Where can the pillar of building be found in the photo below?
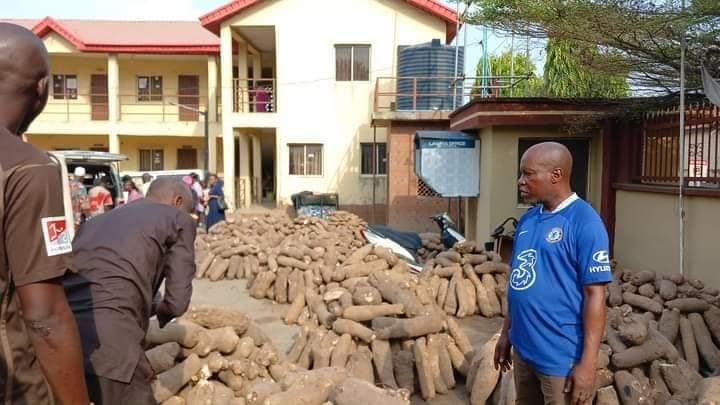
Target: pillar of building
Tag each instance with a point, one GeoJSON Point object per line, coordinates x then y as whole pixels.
{"type": "Point", "coordinates": [212, 110]}
{"type": "Point", "coordinates": [228, 135]}
{"type": "Point", "coordinates": [245, 163]}
{"type": "Point", "coordinates": [242, 59]}
{"type": "Point", "coordinates": [113, 79]}
{"type": "Point", "coordinates": [257, 165]}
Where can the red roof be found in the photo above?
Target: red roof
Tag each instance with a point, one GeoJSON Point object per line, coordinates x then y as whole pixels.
{"type": "Point", "coordinates": [215, 18]}
{"type": "Point", "coordinates": [168, 37]}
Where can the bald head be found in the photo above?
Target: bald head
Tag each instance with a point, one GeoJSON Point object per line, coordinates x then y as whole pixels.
{"type": "Point", "coordinates": [166, 190]}
{"type": "Point", "coordinates": [545, 170]}
{"type": "Point", "coordinates": [23, 77]}
{"type": "Point", "coordinates": [551, 155]}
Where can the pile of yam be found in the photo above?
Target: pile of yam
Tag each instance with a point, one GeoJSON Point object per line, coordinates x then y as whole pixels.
{"type": "Point", "coordinates": [431, 246]}
{"type": "Point", "coordinates": [215, 355]}
{"type": "Point", "coordinates": [661, 340]}
{"type": "Point", "coordinates": [466, 280]}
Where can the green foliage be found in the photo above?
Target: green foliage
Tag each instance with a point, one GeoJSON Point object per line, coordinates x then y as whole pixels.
{"type": "Point", "coordinates": [502, 66]}
{"type": "Point", "coordinates": [566, 76]}
{"type": "Point", "coordinates": [637, 38]}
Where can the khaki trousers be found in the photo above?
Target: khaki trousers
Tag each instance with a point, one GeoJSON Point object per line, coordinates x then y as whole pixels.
{"type": "Point", "coordinates": [534, 388]}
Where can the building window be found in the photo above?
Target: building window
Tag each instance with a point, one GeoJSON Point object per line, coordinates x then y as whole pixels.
{"type": "Point", "coordinates": [580, 151]}
{"type": "Point", "coordinates": [373, 163]}
{"type": "Point", "coordinates": [352, 63]}
{"type": "Point", "coordinates": [306, 159]}
{"type": "Point", "coordinates": [149, 88]}
{"type": "Point", "coordinates": [151, 160]}
{"type": "Point", "coordinates": [65, 87]}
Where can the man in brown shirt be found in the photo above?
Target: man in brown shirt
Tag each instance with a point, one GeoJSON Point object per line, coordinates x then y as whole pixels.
{"type": "Point", "coordinates": [122, 257]}
{"type": "Point", "coordinates": [38, 334]}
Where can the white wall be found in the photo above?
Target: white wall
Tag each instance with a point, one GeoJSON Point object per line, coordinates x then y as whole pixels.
{"type": "Point", "coordinates": [312, 106]}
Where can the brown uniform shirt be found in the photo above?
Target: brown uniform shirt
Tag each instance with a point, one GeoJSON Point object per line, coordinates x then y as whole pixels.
{"type": "Point", "coordinates": [122, 258]}
{"type": "Point", "coordinates": [34, 248]}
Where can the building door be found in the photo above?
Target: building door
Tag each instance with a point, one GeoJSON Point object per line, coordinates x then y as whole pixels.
{"type": "Point", "coordinates": [189, 96]}
{"type": "Point", "coordinates": [580, 150]}
{"type": "Point", "coordinates": [99, 97]}
{"type": "Point", "coordinates": [186, 159]}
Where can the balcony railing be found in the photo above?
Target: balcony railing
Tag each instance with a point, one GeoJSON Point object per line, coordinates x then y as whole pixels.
{"type": "Point", "coordinates": [438, 93]}
{"type": "Point", "coordinates": [76, 107]}
{"type": "Point", "coordinates": [254, 95]}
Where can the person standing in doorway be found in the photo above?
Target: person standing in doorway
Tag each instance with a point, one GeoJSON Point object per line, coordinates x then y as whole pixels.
{"type": "Point", "coordinates": [199, 192]}
{"type": "Point", "coordinates": [556, 292]}
{"type": "Point", "coordinates": [39, 343]}
{"type": "Point", "coordinates": [147, 179]}
{"type": "Point", "coordinates": [216, 201]}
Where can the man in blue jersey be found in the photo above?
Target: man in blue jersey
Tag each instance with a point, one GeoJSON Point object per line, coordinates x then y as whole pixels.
{"type": "Point", "coordinates": [556, 293]}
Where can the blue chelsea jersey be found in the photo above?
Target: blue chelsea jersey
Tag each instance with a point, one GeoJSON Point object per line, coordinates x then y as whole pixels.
{"type": "Point", "coordinates": [554, 256]}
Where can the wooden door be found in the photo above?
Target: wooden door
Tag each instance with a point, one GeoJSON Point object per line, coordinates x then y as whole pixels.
{"type": "Point", "coordinates": [188, 95]}
{"type": "Point", "coordinates": [99, 98]}
{"type": "Point", "coordinates": [186, 159]}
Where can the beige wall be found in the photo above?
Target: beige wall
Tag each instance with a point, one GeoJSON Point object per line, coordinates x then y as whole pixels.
{"type": "Point", "coordinates": [83, 66]}
{"type": "Point", "coordinates": [647, 234]}
{"type": "Point", "coordinates": [312, 106]}
{"type": "Point", "coordinates": [498, 175]}
{"type": "Point", "coordinates": [131, 145]}
{"type": "Point", "coordinates": [57, 142]}
{"type": "Point", "coordinates": [169, 68]}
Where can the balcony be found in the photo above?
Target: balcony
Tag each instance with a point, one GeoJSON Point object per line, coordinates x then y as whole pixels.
{"type": "Point", "coordinates": [254, 96]}
{"type": "Point", "coordinates": [85, 113]}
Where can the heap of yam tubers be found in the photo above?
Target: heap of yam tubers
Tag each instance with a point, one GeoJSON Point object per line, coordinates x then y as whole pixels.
{"type": "Point", "coordinates": [661, 338]}
{"type": "Point", "coordinates": [214, 355]}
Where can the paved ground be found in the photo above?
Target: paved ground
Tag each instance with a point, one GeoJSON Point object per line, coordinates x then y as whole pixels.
{"type": "Point", "coordinates": [268, 314]}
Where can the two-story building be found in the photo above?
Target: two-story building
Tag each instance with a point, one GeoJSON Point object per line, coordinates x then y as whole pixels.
{"type": "Point", "coordinates": [290, 87]}
{"type": "Point", "coordinates": [129, 87]}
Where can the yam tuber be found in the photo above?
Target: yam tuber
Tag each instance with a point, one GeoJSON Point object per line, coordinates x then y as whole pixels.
{"type": "Point", "coordinates": [382, 359]}
{"type": "Point", "coordinates": [712, 319]}
{"type": "Point", "coordinates": [707, 349]}
{"type": "Point", "coordinates": [366, 296]}
{"type": "Point", "coordinates": [669, 324]}
{"type": "Point", "coordinates": [295, 309]}
{"type": "Point", "coordinates": [341, 352]}
{"type": "Point", "coordinates": [184, 332]}
{"type": "Point", "coordinates": [655, 347]}
{"type": "Point", "coordinates": [162, 358]}
{"type": "Point", "coordinates": [360, 366]}
{"type": "Point", "coordinates": [486, 375]}
{"type": "Point", "coordinates": [424, 369]}
{"type": "Point", "coordinates": [171, 381]}
{"type": "Point", "coordinates": [404, 369]}
{"type": "Point", "coordinates": [688, 343]}
{"type": "Point", "coordinates": [643, 303]}
{"type": "Point", "coordinates": [354, 391]}
{"type": "Point", "coordinates": [394, 293]}
{"type": "Point", "coordinates": [361, 313]}
{"type": "Point", "coordinates": [353, 328]}
{"type": "Point", "coordinates": [214, 317]}
{"type": "Point", "coordinates": [686, 305]}
{"type": "Point", "coordinates": [394, 328]}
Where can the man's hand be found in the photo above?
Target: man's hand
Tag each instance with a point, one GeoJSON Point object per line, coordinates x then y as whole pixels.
{"type": "Point", "coordinates": [502, 358]}
{"type": "Point", "coordinates": [581, 383]}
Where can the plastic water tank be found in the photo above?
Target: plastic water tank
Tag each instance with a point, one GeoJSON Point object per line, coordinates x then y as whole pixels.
{"type": "Point", "coordinates": [434, 65]}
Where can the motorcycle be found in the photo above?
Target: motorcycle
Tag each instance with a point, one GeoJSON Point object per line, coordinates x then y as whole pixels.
{"type": "Point", "coordinates": [405, 245]}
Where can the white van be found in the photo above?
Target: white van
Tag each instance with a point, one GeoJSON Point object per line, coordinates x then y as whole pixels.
{"type": "Point", "coordinates": [96, 164]}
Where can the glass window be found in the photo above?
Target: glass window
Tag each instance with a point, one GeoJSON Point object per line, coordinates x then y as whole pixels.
{"type": "Point", "coordinates": [306, 159]}
{"type": "Point", "coordinates": [352, 62]}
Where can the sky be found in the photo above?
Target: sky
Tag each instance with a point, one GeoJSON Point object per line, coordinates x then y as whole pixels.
{"type": "Point", "coordinates": [192, 9]}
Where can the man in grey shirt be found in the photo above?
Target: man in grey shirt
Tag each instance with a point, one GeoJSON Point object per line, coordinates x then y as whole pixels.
{"type": "Point", "coordinates": [122, 257]}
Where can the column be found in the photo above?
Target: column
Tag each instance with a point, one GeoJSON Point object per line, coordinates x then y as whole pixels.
{"type": "Point", "coordinates": [244, 141]}
{"type": "Point", "coordinates": [242, 59]}
{"type": "Point", "coordinates": [257, 67]}
{"type": "Point", "coordinates": [212, 110]}
{"type": "Point", "coordinates": [113, 103]}
{"type": "Point", "coordinates": [257, 165]}
{"type": "Point", "coordinates": [228, 136]}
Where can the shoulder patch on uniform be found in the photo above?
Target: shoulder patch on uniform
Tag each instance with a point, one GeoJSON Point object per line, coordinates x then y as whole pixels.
{"type": "Point", "coordinates": [56, 235]}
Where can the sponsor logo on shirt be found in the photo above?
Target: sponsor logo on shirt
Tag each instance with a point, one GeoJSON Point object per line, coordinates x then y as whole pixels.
{"type": "Point", "coordinates": [555, 235]}
{"type": "Point", "coordinates": [602, 256]}
{"type": "Point", "coordinates": [522, 232]}
{"type": "Point", "coordinates": [523, 277]}
{"type": "Point", "coordinates": [56, 236]}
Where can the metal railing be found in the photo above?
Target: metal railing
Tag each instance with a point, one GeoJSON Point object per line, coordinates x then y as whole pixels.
{"type": "Point", "coordinates": [160, 108]}
{"type": "Point", "coordinates": [81, 107]}
{"type": "Point", "coordinates": [254, 95]}
{"type": "Point", "coordinates": [661, 146]}
{"type": "Point", "coordinates": [437, 93]}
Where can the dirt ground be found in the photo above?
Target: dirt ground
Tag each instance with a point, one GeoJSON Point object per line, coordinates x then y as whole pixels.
{"type": "Point", "coordinates": [267, 314]}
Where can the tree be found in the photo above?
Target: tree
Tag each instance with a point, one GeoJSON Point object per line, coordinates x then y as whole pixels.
{"type": "Point", "coordinates": [502, 66]}
{"type": "Point", "coordinates": [638, 37]}
{"type": "Point", "coordinates": [566, 76]}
